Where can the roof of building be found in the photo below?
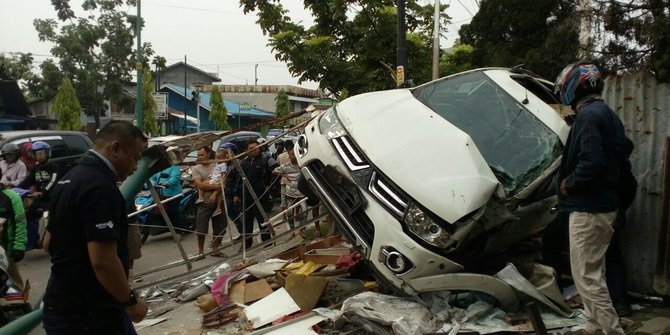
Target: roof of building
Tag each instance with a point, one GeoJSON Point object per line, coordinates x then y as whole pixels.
{"type": "Point", "coordinates": [233, 108]}
{"type": "Point", "coordinates": [12, 101]}
{"type": "Point", "coordinates": [178, 64]}
{"type": "Point", "coordinates": [289, 89]}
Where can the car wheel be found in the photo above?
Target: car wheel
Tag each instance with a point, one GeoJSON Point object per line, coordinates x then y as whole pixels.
{"type": "Point", "coordinates": [303, 187]}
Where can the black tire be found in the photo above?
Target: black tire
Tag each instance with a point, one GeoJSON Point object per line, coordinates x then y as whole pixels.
{"type": "Point", "coordinates": [303, 187]}
{"type": "Point", "coordinates": [144, 235]}
{"type": "Point", "coordinates": [188, 218]}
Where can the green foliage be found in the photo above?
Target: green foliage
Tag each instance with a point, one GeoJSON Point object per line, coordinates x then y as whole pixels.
{"type": "Point", "coordinates": [282, 106]}
{"type": "Point", "coordinates": [219, 113]}
{"type": "Point", "coordinates": [95, 49]}
{"type": "Point", "coordinates": [637, 35]}
{"type": "Point", "coordinates": [457, 59]}
{"type": "Point", "coordinates": [542, 34]}
{"type": "Point", "coordinates": [67, 107]}
{"type": "Point", "coordinates": [149, 107]}
{"type": "Point", "coordinates": [351, 45]}
{"type": "Point", "coordinates": [19, 67]}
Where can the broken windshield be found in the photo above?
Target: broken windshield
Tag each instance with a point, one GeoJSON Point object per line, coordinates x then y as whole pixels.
{"type": "Point", "coordinates": [516, 145]}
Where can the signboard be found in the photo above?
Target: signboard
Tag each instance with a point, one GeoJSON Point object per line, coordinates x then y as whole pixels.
{"type": "Point", "coordinates": [161, 99]}
{"type": "Point", "coordinates": [399, 75]}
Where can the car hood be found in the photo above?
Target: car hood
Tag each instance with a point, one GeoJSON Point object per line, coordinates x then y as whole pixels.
{"type": "Point", "coordinates": [435, 163]}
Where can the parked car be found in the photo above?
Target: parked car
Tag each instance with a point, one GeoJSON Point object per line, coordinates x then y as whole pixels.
{"type": "Point", "coordinates": [66, 146]}
{"type": "Point", "coordinates": [466, 175]}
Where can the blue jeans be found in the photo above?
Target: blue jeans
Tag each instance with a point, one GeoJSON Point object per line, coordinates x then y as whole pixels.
{"type": "Point", "coordinates": [86, 324]}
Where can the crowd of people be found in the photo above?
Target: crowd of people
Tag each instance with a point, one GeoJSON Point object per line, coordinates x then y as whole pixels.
{"type": "Point", "coordinates": [89, 240]}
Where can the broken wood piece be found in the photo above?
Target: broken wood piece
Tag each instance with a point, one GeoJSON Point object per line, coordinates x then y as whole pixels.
{"type": "Point", "coordinates": [236, 292]}
{"type": "Point", "coordinates": [325, 256]}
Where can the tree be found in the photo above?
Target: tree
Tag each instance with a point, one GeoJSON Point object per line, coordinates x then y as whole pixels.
{"type": "Point", "coordinates": [633, 35]}
{"type": "Point", "coordinates": [457, 59]}
{"type": "Point", "coordinates": [95, 49]}
{"type": "Point", "coordinates": [219, 113]}
{"type": "Point", "coordinates": [542, 34]}
{"type": "Point", "coordinates": [67, 107]}
{"type": "Point", "coordinates": [20, 68]}
{"type": "Point", "coordinates": [282, 106]}
{"type": "Point", "coordinates": [149, 107]}
{"type": "Point", "coordinates": [352, 43]}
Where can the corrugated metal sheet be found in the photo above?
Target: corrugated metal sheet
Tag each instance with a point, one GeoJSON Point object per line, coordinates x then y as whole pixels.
{"type": "Point", "coordinates": [644, 107]}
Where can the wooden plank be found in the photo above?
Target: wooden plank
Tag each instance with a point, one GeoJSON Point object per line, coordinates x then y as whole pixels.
{"type": "Point", "coordinates": [305, 290]}
{"type": "Point", "coordinates": [299, 252]}
{"type": "Point", "coordinates": [325, 256]}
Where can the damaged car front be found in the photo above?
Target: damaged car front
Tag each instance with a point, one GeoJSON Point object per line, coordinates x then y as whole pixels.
{"type": "Point", "coordinates": [465, 174]}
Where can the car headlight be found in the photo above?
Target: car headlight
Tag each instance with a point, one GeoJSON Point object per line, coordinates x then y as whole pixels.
{"type": "Point", "coordinates": [425, 227]}
{"type": "Point", "coordinates": [330, 126]}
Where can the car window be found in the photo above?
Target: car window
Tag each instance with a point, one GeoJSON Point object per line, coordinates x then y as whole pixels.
{"type": "Point", "coordinates": [517, 146]}
{"type": "Point", "coordinates": [58, 148]}
{"type": "Point", "coordinates": [76, 144]}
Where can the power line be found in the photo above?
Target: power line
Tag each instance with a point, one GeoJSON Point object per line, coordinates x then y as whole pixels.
{"type": "Point", "coordinates": [466, 8]}
{"type": "Point", "coordinates": [193, 8]}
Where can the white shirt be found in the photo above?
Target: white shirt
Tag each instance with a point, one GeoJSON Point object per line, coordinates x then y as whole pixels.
{"type": "Point", "coordinates": [13, 174]}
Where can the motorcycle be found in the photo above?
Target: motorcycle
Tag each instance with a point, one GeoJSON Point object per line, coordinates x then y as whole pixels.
{"type": "Point", "coordinates": [151, 221]}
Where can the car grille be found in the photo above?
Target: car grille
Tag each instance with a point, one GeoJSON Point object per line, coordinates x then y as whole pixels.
{"type": "Point", "coordinates": [352, 156]}
{"type": "Point", "coordinates": [347, 197]}
{"type": "Point", "coordinates": [387, 193]}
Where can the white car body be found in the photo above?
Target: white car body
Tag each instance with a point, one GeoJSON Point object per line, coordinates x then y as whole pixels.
{"type": "Point", "coordinates": [384, 162]}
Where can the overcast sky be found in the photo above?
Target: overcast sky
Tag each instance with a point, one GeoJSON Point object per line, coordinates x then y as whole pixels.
{"type": "Point", "coordinates": [214, 34]}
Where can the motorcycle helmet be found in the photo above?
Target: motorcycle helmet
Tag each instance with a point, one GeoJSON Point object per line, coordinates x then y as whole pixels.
{"type": "Point", "coordinates": [229, 146]}
{"type": "Point", "coordinates": [10, 148]}
{"type": "Point", "coordinates": [39, 145]}
{"type": "Point", "coordinates": [577, 81]}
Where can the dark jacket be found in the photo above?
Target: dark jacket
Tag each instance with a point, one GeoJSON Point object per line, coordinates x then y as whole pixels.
{"type": "Point", "coordinates": [258, 174]}
{"type": "Point", "coordinates": [86, 205]}
{"type": "Point", "coordinates": [43, 177]}
{"type": "Point", "coordinates": [594, 160]}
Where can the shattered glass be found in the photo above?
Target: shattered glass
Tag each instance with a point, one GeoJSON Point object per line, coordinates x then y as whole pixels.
{"type": "Point", "coordinates": [516, 145]}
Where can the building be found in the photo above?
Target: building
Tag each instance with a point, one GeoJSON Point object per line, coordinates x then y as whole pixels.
{"type": "Point", "coordinates": [14, 112]}
{"type": "Point", "coordinates": [181, 99]}
{"type": "Point", "coordinates": [184, 75]}
{"type": "Point", "coordinates": [264, 96]}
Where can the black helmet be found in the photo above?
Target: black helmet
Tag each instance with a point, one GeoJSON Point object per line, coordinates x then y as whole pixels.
{"type": "Point", "coordinates": [577, 81]}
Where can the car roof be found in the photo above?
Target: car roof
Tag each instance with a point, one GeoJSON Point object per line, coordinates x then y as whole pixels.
{"type": "Point", "coordinates": [14, 134]}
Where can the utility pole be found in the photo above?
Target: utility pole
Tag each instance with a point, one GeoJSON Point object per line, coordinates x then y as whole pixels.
{"type": "Point", "coordinates": [139, 116]}
{"type": "Point", "coordinates": [401, 54]}
{"type": "Point", "coordinates": [436, 41]}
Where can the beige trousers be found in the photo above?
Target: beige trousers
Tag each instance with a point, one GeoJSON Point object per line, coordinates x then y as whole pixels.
{"type": "Point", "coordinates": [590, 235]}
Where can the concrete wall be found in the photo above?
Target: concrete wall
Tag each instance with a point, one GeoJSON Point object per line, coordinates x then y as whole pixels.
{"type": "Point", "coordinates": [176, 76]}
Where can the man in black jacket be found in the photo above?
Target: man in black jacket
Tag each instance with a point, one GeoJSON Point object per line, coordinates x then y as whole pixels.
{"type": "Point", "coordinates": [595, 159]}
{"type": "Point", "coordinates": [258, 173]}
{"type": "Point", "coordinates": [88, 291]}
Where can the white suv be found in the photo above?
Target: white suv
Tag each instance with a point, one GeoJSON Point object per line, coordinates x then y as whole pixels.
{"type": "Point", "coordinates": [429, 181]}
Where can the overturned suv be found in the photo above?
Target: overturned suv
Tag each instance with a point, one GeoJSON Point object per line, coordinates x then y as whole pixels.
{"type": "Point", "coordinates": [434, 184]}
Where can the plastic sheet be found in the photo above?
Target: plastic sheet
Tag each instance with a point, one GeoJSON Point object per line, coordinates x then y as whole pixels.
{"type": "Point", "coordinates": [405, 317]}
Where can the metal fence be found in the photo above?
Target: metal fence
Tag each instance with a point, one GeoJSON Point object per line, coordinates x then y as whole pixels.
{"type": "Point", "coordinates": [644, 107]}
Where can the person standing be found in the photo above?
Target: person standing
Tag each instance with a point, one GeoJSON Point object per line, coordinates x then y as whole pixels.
{"type": "Point", "coordinates": [13, 169]}
{"type": "Point", "coordinates": [206, 208]}
{"type": "Point", "coordinates": [87, 234]}
{"type": "Point", "coordinates": [258, 173]}
{"type": "Point", "coordinates": [594, 160]}
{"type": "Point", "coordinates": [282, 159]}
{"type": "Point", "coordinates": [14, 236]}
{"type": "Point", "coordinates": [291, 171]}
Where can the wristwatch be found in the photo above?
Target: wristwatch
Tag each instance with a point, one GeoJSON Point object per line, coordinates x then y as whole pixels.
{"type": "Point", "coordinates": [131, 301]}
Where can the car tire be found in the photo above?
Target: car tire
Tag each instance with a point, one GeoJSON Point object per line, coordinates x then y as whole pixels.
{"type": "Point", "coordinates": [303, 187]}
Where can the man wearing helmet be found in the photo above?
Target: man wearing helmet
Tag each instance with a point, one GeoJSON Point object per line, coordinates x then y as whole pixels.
{"type": "Point", "coordinates": [594, 163]}
{"type": "Point", "coordinates": [40, 181]}
{"type": "Point", "coordinates": [13, 169]}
